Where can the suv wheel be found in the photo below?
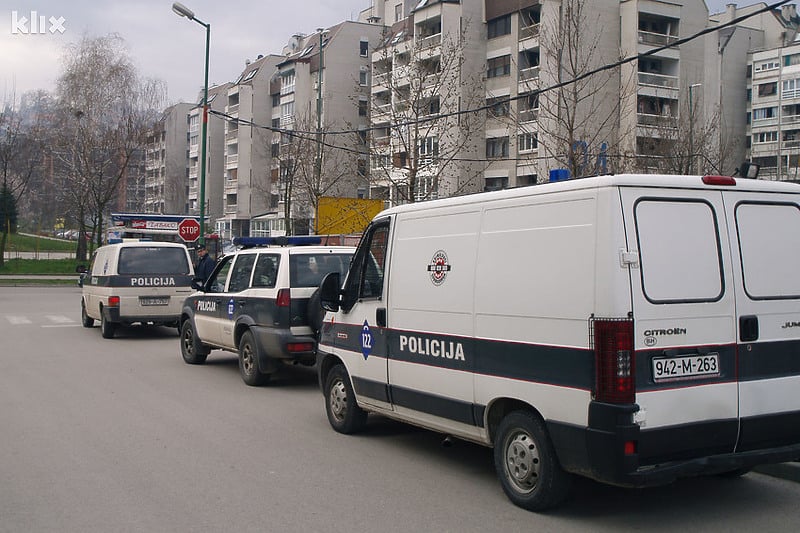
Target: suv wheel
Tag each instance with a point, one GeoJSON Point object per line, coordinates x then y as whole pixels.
{"type": "Point", "coordinates": [248, 361]}
{"type": "Point", "coordinates": [192, 350]}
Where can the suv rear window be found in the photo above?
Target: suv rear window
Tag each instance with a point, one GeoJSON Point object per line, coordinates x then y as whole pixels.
{"type": "Point", "coordinates": [307, 270]}
{"type": "Point", "coordinates": [152, 260]}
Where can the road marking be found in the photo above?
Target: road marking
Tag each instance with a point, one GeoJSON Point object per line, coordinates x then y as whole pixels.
{"type": "Point", "coordinates": [18, 320]}
{"type": "Point", "coordinates": [60, 319]}
{"type": "Point", "coordinates": [60, 325]}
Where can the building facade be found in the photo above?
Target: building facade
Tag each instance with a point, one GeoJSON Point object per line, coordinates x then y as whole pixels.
{"type": "Point", "coordinates": [167, 163]}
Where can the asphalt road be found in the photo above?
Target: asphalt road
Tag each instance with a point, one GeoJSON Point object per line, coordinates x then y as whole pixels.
{"type": "Point", "coordinates": [121, 435]}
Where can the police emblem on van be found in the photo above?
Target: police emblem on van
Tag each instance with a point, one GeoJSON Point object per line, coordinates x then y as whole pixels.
{"type": "Point", "coordinates": [439, 267]}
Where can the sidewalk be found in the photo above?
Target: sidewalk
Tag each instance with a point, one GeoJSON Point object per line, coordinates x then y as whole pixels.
{"type": "Point", "coordinates": [23, 280]}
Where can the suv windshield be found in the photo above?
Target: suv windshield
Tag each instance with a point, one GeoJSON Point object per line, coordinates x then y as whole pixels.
{"type": "Point", "coordinates": [307, 270]}
{"type": "Point", "coordinates": [152, 260]}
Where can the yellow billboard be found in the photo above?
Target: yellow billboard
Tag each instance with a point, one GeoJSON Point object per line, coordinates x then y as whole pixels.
{"type": "Point", "coordinates": [345, 215]}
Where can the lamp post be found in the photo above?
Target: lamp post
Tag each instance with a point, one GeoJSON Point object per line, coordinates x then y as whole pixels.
{"type": "Point", "coordinates": [183, 11]}
{"type": "Point", "coordinates": [691, 128]}
{"type": "Point", "coordinates": [318, 167]}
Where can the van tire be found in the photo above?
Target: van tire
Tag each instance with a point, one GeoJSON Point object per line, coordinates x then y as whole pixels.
{"type": "Point", "coordinates": [192, 350]}
{"type": "Point", "coordinates": [107, 328]}
{"type": "Point", "coordinates": [248, 361]}
{"type": "Point", "coordinates": [86, 320]}
{"type": "Point", "coordinates": [527, 464]}
{"type": "Point", "coordinates": [344, 414]}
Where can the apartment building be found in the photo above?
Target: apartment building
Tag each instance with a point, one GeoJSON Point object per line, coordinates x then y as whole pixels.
{"type": "Point", "coordinates": [427, 70]}
{"type": "Point", "coordinates": [167, 162]}
{"type": "Point", "coordinates": [773, 99]}
{"type": "Point", "coordinates": [247, 157]}
{"type": "Point", "coordinates": [320, 90]}
{"type": "Point", "coordinates": [215, 154]}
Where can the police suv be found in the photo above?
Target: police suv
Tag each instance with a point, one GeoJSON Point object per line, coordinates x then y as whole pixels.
{"type": "Point", "coordinates": [256, 304]}
{"type": "Point", "coordinates": [135, 281]}
{"type": "Point", "coordinates": [632, 329]}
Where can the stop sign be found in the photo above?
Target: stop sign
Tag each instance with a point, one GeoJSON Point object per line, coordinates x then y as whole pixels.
{"type": "Point", "coordinates": [189, 229]}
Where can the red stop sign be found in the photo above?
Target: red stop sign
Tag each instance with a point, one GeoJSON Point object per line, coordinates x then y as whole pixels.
{"type": "Point", "coordinates": [189, 229]}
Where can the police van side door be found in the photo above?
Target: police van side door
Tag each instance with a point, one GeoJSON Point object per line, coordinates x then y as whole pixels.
{"type": "Point", "coordinates": [684, 332]}
{"type": "Point", "coordinates": [765, 232]}
{"type": "Point", "coordinates": [359, 332]}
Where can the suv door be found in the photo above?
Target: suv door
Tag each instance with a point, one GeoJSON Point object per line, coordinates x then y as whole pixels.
{"type": "Point", "coordinates": [766, 251]}
{"type": "Point", "coordinates": [235, 299]}
{"type": "Point", "coordinates": [209, 304]}
{"type": "Point", "coordinates": [683, 304]}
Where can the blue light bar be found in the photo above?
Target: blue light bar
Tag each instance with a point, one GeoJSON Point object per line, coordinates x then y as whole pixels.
{"type": "Point", "coordinates": [296, 240]}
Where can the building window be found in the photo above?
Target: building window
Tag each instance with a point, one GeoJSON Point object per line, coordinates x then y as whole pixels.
{"type": "Point", "coordinates": [764, 113]}
{"type": "Point", "coordinates": [498, 66]}
{"type": "Point", "coordinates": [497, 147]}
{"type": "Point", "coordinates": [363, 48]}
{"type": "Point", "coordinates": [499, 26]}
{"type": "Point", "coordinates": [363, 78]}
{"type": "Point", "coordinates": [496, 184]}
{"type": "Point", "coordinates": [287, 82]}
{"type": "Point", "coordinates": [498, 107]}
{"type": "Point", "coordinates": [362, 108]}
{"type": "Point", "coordinates": [287, 109]}
{"type": "Point", "coordinates": [276, 123]}
{"type": "Point", "coordinates": [276, 150]}
{"type": "Point", "coordinates": [276, 100]}
{"type": "Point", "coordinates": [768, 65]}
{"type": "Point", "coordinates": [790, 60]}
{"type": "Point", "coordinates": [765, 137]}
{"type": "Point", "coordinates": [527, 142]}
{"type": "Point", "coordinates": [428, 147]}
{"type": "Point", "coordinates": [768, 89]}
{"type": "Point", "coordinates": [398, 12]}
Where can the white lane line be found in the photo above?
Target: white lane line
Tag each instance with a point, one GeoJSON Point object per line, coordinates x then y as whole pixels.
{"type": "Point", "coordinates": [60, 319]}
{"type": "Point", "coordinates": [18, 320]}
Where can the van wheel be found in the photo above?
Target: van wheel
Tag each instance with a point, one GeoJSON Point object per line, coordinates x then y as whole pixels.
{"type": "Point", "coordinates": [86, 320]}
{"type": "Point", "coordinates": [344, 414]}
{"type": "Point", "coordinates": [527, 465]}
{"type": "Point", "coordinates": [248, 361]}
{"type": "Point", "coordinates": [107, 328]}
{"type": "Point", "coordinates": [192, 350]}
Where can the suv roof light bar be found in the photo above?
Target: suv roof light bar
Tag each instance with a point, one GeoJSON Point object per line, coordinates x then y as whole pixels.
{"type": "Point", "coordinates": [295, 240]}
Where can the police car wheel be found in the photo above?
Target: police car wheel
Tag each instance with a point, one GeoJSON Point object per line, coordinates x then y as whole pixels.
{"type": "Point", "coordinates": [344, 414]}
{"type": "Point", "coordinates": [192, 350]}
{"type": "Point", "coordinates": [527, 465]}
{"type": "Point", "coordinates": [107, 328]}
{"type": "Point", "coordinates": [248, 361]}
{"type": "Point", "coordinates": [86, 320]}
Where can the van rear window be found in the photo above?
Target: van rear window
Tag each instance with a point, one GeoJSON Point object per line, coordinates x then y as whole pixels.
{"type": "Point", "coordinates": [153, 260]}
{"type": "Point", "coordinates": [307, 270]}
{"type": "Point", "coordinates": [769, 242]}
{"type": "Point", "coordinates": [679, 251]}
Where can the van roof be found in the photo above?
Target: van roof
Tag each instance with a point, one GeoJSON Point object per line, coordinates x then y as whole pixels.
{"type": "Point", "coordinates": [596, 182]}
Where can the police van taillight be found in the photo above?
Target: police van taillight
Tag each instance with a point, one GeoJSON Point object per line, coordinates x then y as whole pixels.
{"type": "Point", "coordinates": [283, 299]}
{"type": "Point", "coordinates": [113, 301]}
{"type": "Point", "coordinates": [615, 371]}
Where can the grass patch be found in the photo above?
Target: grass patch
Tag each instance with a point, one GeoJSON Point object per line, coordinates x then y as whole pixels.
{"type": "Point", "coordinates": [58, 267]}
{"type": "Point", "coordinates": [28, 243]}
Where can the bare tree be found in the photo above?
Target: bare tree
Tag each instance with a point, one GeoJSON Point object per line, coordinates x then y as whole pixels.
{"type": "Point", "coordinates": [579, 121]}
{"type": "Point", "coordinates": [421, 147]}
{"type": "Point", "coordinates": [107, 109]}
{"type": "Point", "coordinates": [21, 140]}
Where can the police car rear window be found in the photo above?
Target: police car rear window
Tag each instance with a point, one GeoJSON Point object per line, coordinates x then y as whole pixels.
{"type": "Point", "coordinates": [152, 260]}
{"type": "Point", "coordinates": [307, 270]}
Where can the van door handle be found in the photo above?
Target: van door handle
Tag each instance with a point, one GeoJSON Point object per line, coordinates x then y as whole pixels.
{"type": "Point", "coordinates": [380, 317]}
{"type": "Point", "coordinates": [748, 328]}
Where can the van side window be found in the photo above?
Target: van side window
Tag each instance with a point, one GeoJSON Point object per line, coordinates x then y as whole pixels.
{"type": "Point", "coordinates": [372, 280]}
{"type": "Point", "coordinates": [240, 274]}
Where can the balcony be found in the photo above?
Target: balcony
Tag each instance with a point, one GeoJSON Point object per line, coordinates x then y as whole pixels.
{"type": "Point", "coordinates": [232, 135]}
{"type": "Point", "coordinates": [529, 115]}
{"type": "Point", "coordinates": [430, 41]}
{"type": "Point", "coordinates": [231, 161]}
{"type": "Point", "coordinates": [660, 121]}
{"type": "Point", "coordinates": [231, 109]}
{"type": "Point", "coordinates": [656, 39]}
{"type": "Point", "coordinates": [382, 79]}
{"type": "Point", "coordinates": [528, 32]}
{"type": "Point", "coordinates": [658, 80]}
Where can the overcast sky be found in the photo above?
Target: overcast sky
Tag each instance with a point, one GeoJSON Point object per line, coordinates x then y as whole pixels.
{"type": "Point", "coordinates": [162, 44]}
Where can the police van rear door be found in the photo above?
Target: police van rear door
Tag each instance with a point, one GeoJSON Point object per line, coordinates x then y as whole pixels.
{"type": "Point", "coordinates": [683, 307]}
{"type": "Point", "coordinates": [765, 231]}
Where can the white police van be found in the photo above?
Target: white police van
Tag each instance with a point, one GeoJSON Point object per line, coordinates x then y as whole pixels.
{"type": "Point", "coordinates": [631, 329]}
{"type": "Point", "coordinates": [135, 281]}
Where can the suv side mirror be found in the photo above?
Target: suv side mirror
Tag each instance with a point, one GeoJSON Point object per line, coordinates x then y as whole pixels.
{"type": "Point", "coordinates": [330, 292]}
{"type": "Point", "coordinates": [197, 284]}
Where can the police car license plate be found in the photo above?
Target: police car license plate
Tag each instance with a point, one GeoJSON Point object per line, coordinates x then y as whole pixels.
{"type": "Point", "coordinates": [685, 367]}
{"type": "Point", "coordinates": [149, 300]}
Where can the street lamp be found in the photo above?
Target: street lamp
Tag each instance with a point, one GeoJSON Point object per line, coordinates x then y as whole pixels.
{"type": "Point", "coordinates": [691, 128]}
{"type": "Point", "coordinates": [184, 11]}
{"type": "Point", "coordinates": [318, 169]}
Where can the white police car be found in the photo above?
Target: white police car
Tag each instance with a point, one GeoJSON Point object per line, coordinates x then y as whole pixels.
{"type": "Point", "coordinates": [256, 304]}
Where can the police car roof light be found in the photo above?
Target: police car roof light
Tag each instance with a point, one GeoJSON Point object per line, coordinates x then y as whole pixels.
{"type": "Point", "coordinates": [719, 180]}
{"type": "Point", "coordinates": [296, 240]}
